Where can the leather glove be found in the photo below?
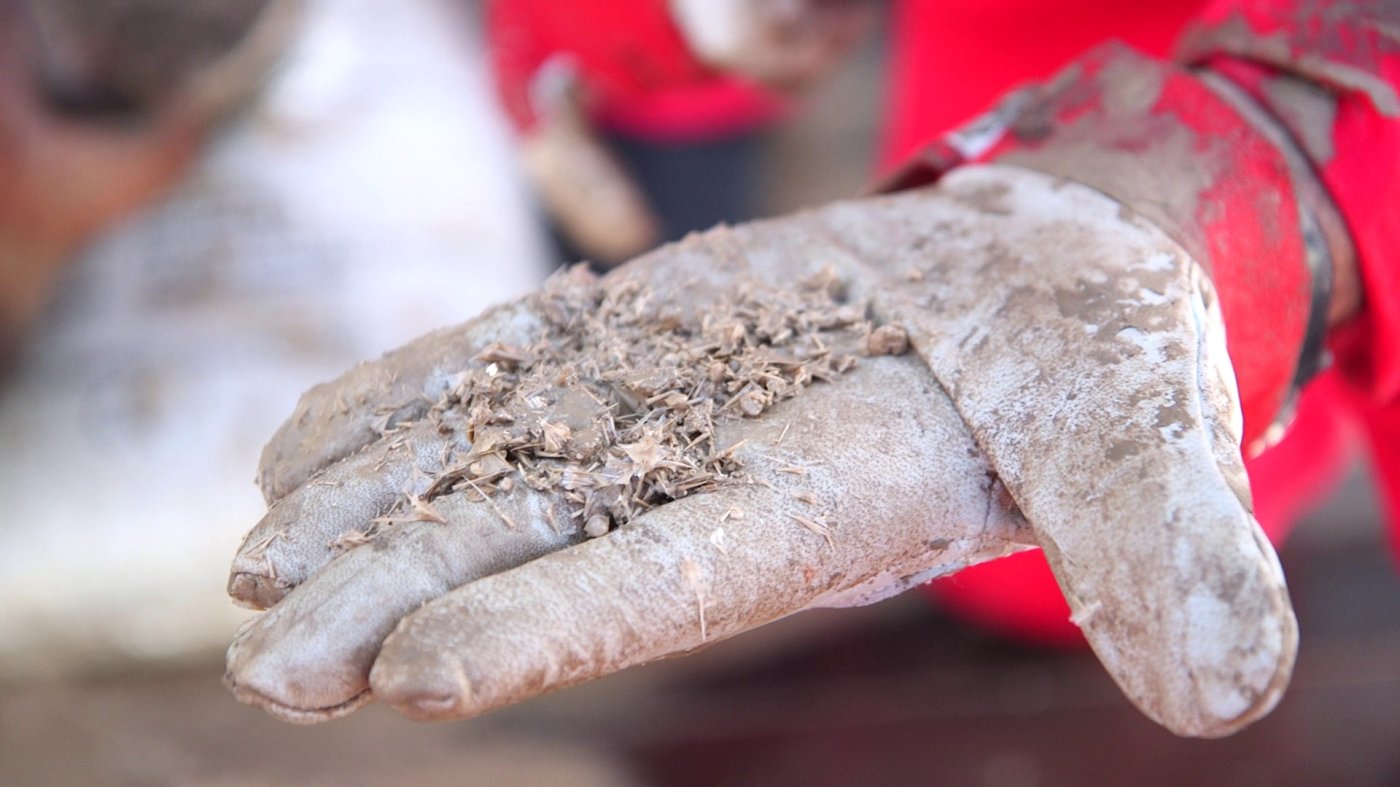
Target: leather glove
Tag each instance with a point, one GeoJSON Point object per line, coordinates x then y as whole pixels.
{"type": "Point", "coordinates": [505, 508]}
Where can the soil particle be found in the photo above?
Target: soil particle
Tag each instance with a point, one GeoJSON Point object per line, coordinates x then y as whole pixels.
{"type": "Point", "coordinates": [887, 340]}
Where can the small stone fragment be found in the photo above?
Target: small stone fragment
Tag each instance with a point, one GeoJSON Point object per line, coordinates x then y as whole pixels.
{"type": "Point", "coordinates": [887, 340]}
{"type": "Point", "coordinates": [597, 525]}
{"type": "Point", "coordinates": [751, 403]}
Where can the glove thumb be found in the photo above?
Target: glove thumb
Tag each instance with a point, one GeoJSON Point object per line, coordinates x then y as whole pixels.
{"type": "Point", "coordinates": [1086, 352]}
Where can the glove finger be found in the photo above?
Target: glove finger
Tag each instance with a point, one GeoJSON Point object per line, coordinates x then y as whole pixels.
{"type": "Point", "coordinates": [308, 658]}
{"type": "Point", "coordinates": [299, 533]}
{"type": "Point", "coordinates": [859, 488]}
{"type": "Point", "coordinates": [335, 419]}
{"type": "Point", "coordinates": [1089, 362]}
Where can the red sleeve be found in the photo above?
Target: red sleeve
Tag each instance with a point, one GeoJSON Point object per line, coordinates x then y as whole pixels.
{"type": "Point", "coordinates": [1349, 46]}
{"type": "Point", "coordinates": [635, 67]}
{"type": "Point", "coordinates": [1364, 177]}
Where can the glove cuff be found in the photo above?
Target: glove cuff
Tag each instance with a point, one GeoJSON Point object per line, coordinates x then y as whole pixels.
{"type": "Point", "coordinates": [1195, 156]}
{"type": "Point", "coordinates": [1344, 53]}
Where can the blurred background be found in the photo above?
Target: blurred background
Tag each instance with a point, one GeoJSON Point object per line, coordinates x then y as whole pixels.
{"type": "Point", "coordinates": [252, 197]}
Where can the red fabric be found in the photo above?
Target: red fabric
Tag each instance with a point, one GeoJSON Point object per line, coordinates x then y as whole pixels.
{"type": "Point", "coordinates": [1363, 173]}
{"type": "Point", "coordinates": [952, 59]}
{"type": "Point", "coordinates": [1349, 46]}
{"type": "Point", "coordinates": [1257, 260]}
{"type": "Point", "coordinates": [1364, 178]}
{"type": "Point", "coordinates": [637, 72]}
{"type": "Point", "coordinates": [955, 57]}
{"type": "Point", "coordinates": [1382, 429]}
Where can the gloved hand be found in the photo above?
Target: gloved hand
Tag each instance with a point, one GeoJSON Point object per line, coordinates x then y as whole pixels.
{"type": "Point", "coordinates": [1237, 156]}
{"type": "Point", "coordinates": [1065, 384]}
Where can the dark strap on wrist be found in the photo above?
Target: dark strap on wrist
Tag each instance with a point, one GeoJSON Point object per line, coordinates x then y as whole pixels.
{"type": "Point", "coordinates": [1324, 237]}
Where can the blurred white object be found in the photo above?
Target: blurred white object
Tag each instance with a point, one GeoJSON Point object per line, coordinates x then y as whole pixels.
{"type": "Point", "coordinates": [784, 44]}
{"type": "Point", "coordinates": [370, 195]}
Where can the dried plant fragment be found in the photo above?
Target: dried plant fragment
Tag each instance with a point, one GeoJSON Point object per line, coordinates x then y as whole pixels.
{"type": "Point", "coordinates": [615, 400]}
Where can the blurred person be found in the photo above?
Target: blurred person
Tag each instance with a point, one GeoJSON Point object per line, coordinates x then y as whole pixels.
{"type": "Point", "coordinates": [1258, 155]}
{"type": "Point", "coordinates": [205, 254]}
{"type": "Point", "coordinates": [652, 70]}
{"type": "Point", "coordinates": [642, 121]}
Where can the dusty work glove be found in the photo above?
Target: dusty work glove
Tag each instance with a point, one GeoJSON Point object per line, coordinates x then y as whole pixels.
{"type": "Point", "coordinates": [1249, 155]}
{"type": "Point", "coordinates": [880, 391]}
